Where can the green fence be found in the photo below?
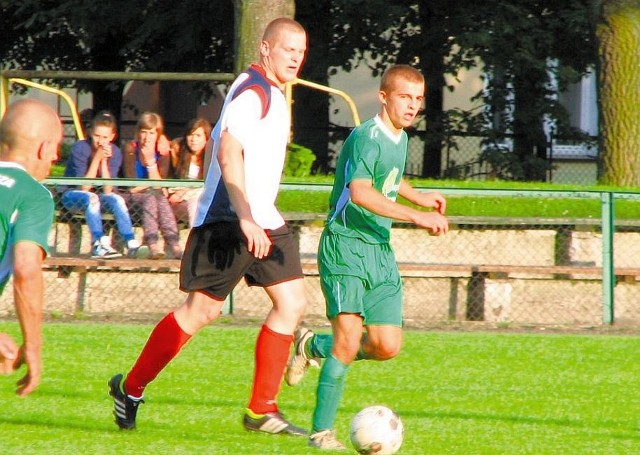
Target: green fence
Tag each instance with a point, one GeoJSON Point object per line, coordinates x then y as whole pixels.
{"type": "Point", "coordinates": [490, 269]}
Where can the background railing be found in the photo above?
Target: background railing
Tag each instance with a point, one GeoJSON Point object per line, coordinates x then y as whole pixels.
{"type": "Point", "coordinates": [489, 269]}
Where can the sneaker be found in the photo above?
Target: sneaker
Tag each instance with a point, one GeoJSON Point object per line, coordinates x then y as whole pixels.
{"type": "Point", "coordinates": [102, 249]}
{"type": "Point", "coordinates": [299, 361]}
{"type": "Point", "coordinates": [124, 407]}
{"type": "Point", "coordinates": [137, 251]}
{"type": "Point", "coordinates": [326, 440]}
{"type": "Point", "coordinates": [274, 423]}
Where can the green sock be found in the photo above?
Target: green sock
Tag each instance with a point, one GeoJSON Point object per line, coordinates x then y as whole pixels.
{"type": "Point", "coordinates": [329, 393]}
{"type": "Point", "coordinates": [320, 346]}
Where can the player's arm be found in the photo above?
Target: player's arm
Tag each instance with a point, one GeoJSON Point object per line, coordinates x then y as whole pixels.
{"type": "Point", "coordinates": [364, 195]}
{"type": "Point", "coordinates": [28, 298]}
{"type": "Point", "coordinates": [432, 199]}
{"type": "Point", "coordinates": [231, 160]}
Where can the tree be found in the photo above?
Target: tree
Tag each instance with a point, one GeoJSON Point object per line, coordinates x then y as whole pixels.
{"type": "Point", "coordinates": [530, 50]}
{"type": "Point", "coordinates": [116, 35]}
{"type": "Point", "coordinates": [251, 17]}
{"type": "Point", "coordinates": [618, 33]}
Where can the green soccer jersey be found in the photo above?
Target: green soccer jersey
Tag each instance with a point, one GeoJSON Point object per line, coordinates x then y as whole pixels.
{"type": "Point", "coordinates": [26, 214]}
{"type": "Point", "coordinates": [374, 153]}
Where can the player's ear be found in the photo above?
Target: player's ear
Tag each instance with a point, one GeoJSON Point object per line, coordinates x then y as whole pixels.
{"type": "Point", "coordinates": [382, 96]}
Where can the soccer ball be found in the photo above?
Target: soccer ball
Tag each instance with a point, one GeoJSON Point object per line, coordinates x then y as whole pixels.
{"type": "Point", "coordinates": [376, 430]}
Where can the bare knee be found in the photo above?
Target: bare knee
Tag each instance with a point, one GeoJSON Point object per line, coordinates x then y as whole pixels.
{"type": "Point", "coordinates": [385, 349]}
{"type": "Point", "coordinates": [197, 311]}
{"type": "Point", "coordinates": [346, 350]}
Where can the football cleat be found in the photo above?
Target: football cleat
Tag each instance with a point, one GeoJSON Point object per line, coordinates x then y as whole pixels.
{"type": "Point", "coordinates": [274, 423]}
{"type": "Point", "coordinates": [125, 408]}
{"type": "Point", "coordinates": [299, 361]}
{"type": "Point", "coordinates": [326, 440]}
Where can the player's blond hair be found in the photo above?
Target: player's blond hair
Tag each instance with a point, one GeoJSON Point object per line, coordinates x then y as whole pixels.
{"type": "Point", "coordinates": [395, 72]}
{"type": "Point", "coordinates": [274, 28]}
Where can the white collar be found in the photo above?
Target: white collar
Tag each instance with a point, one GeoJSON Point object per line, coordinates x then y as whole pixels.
{"type": "Point", "coordinates": [395, 138]}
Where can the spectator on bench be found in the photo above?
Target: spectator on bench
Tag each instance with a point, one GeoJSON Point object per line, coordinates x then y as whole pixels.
{"type": "Point", "coordinates": [143, 159]}
{"type": "Point", "coordinates": [187, 162]}
{"type": "Point", "coordinates": [99, 157]}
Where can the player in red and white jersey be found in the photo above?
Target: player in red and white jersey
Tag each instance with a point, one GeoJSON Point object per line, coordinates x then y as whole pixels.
{"type": "Point", "coordinates": [238, 233]}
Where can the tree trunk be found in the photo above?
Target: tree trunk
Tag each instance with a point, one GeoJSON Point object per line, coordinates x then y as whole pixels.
{"type": "Point", "coordinates": [529, 140]}
{"type": "Point", "coordinates": [251, 18]}
{"type": "Point", "coordinates": [618, 34]}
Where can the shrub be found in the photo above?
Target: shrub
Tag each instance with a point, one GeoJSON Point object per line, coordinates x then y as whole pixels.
{"type": "Point", "coordinates": [298, 161]}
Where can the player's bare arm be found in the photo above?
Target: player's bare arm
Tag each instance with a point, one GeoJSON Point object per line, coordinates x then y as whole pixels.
{"type": "Point", "coordinates": [29, 295]}
{"type": "Point", "coordinates": [231, 162]}
{"type": "Point", "coordinates": [432, 199]}
{"type": "Point", "coordinates": [363, 194]}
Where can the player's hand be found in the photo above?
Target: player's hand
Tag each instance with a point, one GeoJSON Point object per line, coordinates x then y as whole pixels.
{"type": "Point", "coordinates": [258, 242]}
{"type": "Point", "coordinates": [8, 354]}
{"type": "Point", "coordinates": [434, 222]}
{"type": "Point", "coordinates": [433, 200]}
{"type": "Point", "coordinates": [439, 203]}
{"type": "Point", "coordinates": [31, 380]}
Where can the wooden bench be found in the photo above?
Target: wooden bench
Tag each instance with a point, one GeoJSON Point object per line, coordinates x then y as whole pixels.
{"type": "Point", "coordinates": [497, 271]}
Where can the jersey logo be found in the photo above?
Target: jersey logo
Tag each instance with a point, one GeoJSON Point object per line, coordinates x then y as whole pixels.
{"type": "Point", "coordinates": [259, 84]}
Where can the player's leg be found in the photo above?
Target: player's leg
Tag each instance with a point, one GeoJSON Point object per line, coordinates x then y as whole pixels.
{"type": "Point", "coordinates": [383, 304]}
{"type": "Point", "coordinates": [347, 331]}
{"type": "Point", "coordinates": [281, 277]}
{"type": "Point", "coordinates": [382, 342]}
{"type": "Point", "coordinates": [220, 272]}
{"type": "Point", "coordinates": [164, 344]}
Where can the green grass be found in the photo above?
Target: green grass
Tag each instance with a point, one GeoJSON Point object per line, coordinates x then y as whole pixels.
{"type": "Point", "coordinates": [457, 393]}
{"type": "Point", "coordinates": [494, 206]}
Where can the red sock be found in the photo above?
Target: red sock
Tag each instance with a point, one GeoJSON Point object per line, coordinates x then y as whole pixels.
{"type": "Point", "coordinates": [272, 353]}
{"type": "Point", "coordinates": [164, 343]}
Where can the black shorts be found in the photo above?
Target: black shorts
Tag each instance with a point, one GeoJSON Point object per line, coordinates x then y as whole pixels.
{"type": "Point", "coordinates": [216, 258]}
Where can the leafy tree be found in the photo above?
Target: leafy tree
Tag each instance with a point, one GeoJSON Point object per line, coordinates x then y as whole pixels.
{"type": "Point", "coordinates": [116, 35]}
{"type": "Point", "coordinates": [530, 49]}
{"type": "Point", "coordinates": [618, 33]}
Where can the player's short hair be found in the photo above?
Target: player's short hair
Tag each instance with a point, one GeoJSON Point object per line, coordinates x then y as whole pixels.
{"type": "Point", "coordinates": [275, 26]}
{"type": "Point", "coordinates": [406, 72]}
{"type": "Point", "coordinates": [149, 120]}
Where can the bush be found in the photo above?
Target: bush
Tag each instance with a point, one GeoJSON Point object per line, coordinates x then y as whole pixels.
{"type": "Point", "coordinates": [298, 161]}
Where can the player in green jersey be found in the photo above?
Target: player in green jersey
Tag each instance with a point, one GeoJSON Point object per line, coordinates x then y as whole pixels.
{"type": "Point", "coordinates": [358, 271]}
{"type": "Point", "coordinates": [30, 136]}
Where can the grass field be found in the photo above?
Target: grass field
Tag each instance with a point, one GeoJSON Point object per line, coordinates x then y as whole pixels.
{"type": "Point", "coordinates": [457, 393]}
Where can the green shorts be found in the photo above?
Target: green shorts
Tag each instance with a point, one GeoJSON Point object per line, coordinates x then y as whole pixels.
{"type": "Point", "coordinates": [361, 278]}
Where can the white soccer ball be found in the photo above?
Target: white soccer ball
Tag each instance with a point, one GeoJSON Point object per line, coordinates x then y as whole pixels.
{"type": "Point", "coordinates": [376, 430]}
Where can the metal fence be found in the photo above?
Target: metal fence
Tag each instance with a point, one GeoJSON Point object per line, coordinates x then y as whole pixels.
{"type": "Point", "coordinates": [489, 269]}
{"type": "Point", "coordinates": [570, 160]}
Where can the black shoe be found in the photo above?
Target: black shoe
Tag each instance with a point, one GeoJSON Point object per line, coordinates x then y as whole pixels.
{"type": "Point", "coordinates": [124, 408]}
{"type": "Point", "coordinates": [273, 423]}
